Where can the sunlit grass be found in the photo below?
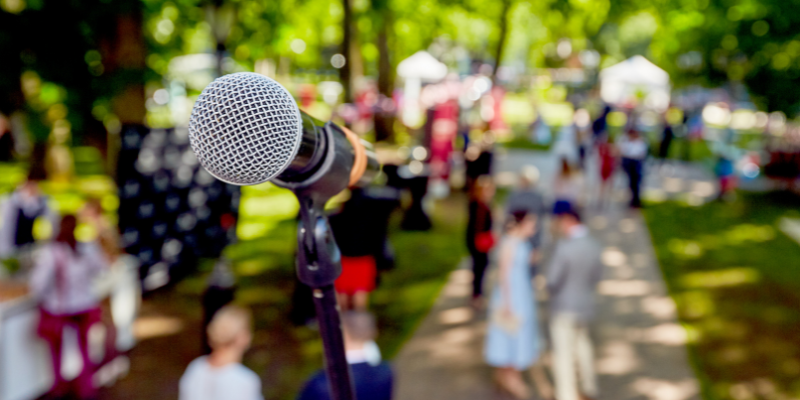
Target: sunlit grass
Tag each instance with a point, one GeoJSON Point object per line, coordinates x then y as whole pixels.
{"type": "Point", "coordinates": [734, 277]}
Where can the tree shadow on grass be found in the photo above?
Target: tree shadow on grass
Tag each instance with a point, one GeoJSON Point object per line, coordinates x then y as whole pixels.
{"type": "Point", "coordinates": [735, 280]}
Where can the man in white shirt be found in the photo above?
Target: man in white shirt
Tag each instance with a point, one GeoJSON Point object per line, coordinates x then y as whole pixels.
{"type": "Point", "coordinates": [221, 375]}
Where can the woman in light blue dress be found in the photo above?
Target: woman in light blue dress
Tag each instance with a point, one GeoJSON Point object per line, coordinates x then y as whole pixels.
{"type": "Point", "coordinates": [512, 339]}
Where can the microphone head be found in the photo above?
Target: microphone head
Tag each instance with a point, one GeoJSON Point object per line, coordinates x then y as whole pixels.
{"type": "Point", "coordinates": [245, 128]}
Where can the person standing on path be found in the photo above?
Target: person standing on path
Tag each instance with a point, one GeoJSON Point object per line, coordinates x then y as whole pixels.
{"type": "Point", "coordinates": [572, 279]}
{"type": "Point", "coordinates": [568, 185]}
{"type": "Point", "coordinates": [528, 198]}
{"type": "Point", "coordinates": [512, 339]}
{"type": "Point", "coordinates": [480, 239]}
{"type": "Point", "coordinates": [633, 150]}
{"type": "Point", "coordinates": [607, 155]}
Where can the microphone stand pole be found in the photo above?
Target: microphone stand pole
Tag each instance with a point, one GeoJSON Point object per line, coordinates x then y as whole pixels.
{"type": "Point", "coordinates": [318, 265]}
{"type": "Point", "coordinates": [319, 261]}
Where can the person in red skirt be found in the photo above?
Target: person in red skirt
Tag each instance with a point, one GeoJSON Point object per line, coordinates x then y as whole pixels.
{"type": "Point", "coordinates": [607, 155]}
{"type": "Point", "coordinates": [356, 282]}
{"type": "Point", "coordinates": [360, 230]}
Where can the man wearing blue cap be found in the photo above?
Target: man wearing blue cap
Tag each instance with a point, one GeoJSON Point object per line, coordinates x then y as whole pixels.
{"type": "Point", "coordinates": [572, 279]}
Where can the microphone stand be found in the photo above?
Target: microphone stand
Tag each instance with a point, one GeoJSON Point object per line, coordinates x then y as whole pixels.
{"type": "Point", "coordinates": [318, 265]}
{"type": "Point", "coordinates": [318, 256]}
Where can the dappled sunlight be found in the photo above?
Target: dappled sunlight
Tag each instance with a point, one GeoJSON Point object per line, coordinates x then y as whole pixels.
{"type": "Point", "coordinates": [749, 232]}
{"type": "Point", "coordinates": [670, 334]}
{"type": "Point", "coordinates": [613, 257]}
{"type": "Point", "coordinates": [275, 205]}
{"type": "Point", "coordinates": [459, 284]}
{"type": "Point", "coordinates": [457, 291]}
{"type": "Point", "coordinates": [461, 276]}
{"type": "Point", "coordinates": [660, 307]}
{"type": "Point", "coordinates": [458, 336]}
{"type": "Point", "coordinates": [735, 288]}
{"type": "Point", "coordinates": [791, 227]}
{"type": "Point", "coordinates": [673, 185]}
{"type": "Point", "coordinates": [254, 267]}
{"type": "Point", "coordinates": [617, 358]}
{"type": "Point", "coordinates": [456, 316]}
{"type": "Point", "coordinates": [685, 248]}
{"type": "Point", "coordinates": [156, 326]}
{"type": "Point", "coordinates": [654, 195]}
{"type": "Point", "coordinates": [696, 303]}
{"type": "Point", "coordinates": [624, 288]}
{"type": "Point", "coordinates": [657, 389]}
{"type": "Point", "coordinates": [703, 189]}
{"type": "Point", "coordinates": [720, 278]}
{"type": "Point", "coordinates": [754, 389]}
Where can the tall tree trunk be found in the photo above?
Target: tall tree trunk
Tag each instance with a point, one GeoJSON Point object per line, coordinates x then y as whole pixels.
{"type": "Point", "coordinates": [128, 57]}
{"type": "Point", "coordinates": [344, 72]}
{"type": "Point", "coordinates": [126, 63]}
{"type": "Point", "coordinates": [501, 44]}
{"type": "Point", "coordinates": [384, 120]}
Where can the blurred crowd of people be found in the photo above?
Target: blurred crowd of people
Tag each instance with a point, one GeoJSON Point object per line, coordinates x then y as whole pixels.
{"type": "Point", "coordinates": [61, 273]}
{"type": "Point", "coordinates": [514, 341]}
{"type": "Point", "coordinates": [518, 237]}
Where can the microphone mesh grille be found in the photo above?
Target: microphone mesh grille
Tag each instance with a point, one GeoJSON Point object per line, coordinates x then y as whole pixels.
{"type": "Point", "coordinates": [245, 128]}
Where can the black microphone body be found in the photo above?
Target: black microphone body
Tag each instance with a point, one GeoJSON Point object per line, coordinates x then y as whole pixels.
{"type": "Point", "coordinates": [325, 160]}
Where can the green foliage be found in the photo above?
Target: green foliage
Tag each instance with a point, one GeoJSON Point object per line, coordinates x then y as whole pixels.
{"type": "Point", "coordinates": [727, 265]}
{"type": "Point", "coordinates": [63, 46]}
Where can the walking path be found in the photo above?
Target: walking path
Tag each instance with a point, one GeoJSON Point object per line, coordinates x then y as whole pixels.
{"type": "Point", "coordinates": [640, 347]}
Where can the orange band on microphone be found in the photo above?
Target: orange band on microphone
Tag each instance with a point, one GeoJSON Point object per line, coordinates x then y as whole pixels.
{"type": "Point", "coordinates": [360, 163]}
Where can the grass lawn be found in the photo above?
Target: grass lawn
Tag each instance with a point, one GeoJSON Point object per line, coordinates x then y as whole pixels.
{"type": "Point", "coordinates": [521, 139]}
{"type": "Point", "coordinates": [735, 277]}
{"type": "Point", "coordinates": [285, 355]}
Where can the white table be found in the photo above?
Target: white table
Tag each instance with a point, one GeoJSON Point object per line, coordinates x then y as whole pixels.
{"type": "Point", "coordinates": [25, 366]}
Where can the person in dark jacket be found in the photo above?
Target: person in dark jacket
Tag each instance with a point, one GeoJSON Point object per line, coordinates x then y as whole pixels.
{"type": "Point", "coordinates": [361, 231]}
{"type": "Point", "coordinates": [372, 378]}
{"type": "Point", "coordinates": [479, 232]}
{"type": "Point", "coordinates": [20, 212]}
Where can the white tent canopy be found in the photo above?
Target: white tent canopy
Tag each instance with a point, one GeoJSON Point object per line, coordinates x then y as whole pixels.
{"type": "Point", "coordinates": [420, 67]}
{"type": "Point", "coordinates": [621, 82]}
{"type": "Point", "coordinates": [423, 66]}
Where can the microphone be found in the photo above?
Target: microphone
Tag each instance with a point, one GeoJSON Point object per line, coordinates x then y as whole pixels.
{"type": "Point", "coordinates": [246, 129]}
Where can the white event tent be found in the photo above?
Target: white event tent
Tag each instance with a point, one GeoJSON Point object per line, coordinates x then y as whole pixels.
{"type": "Point", "coordinates": [621, 82]}
{"type": "Point", "coordinates": [420, 67]}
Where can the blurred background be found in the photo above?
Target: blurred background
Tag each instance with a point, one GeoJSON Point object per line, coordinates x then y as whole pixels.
{"type": "Point", "coordinates": [95, 98]}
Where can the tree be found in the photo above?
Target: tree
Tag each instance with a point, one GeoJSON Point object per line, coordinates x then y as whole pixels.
{"type": "Point", "coordinates": [345, 71]}
{"type": "Point", "coordinates": [86, 67]}
{"type": "Point", "coordinates": [501, 43]}
{"type": "Point", "coordinates": [384, 121]}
